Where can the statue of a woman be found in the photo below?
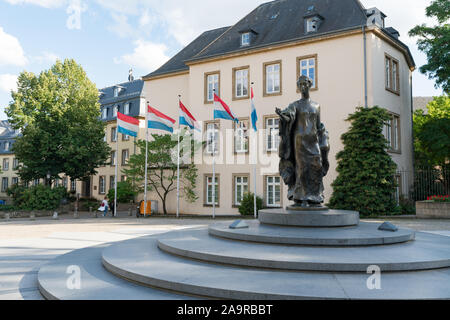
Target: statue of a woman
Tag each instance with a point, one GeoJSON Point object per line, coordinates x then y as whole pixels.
{"type": "Point", "coordinates": [304, 149]}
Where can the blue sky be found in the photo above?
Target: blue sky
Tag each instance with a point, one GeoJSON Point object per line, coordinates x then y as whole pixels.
{"type": "Point", "coordinates": [107, 37]}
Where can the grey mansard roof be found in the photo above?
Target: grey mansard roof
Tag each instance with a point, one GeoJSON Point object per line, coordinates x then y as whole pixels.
{"type": "Point", "coordinates": [272, 23]}
{"type": "Point", "coordinates": [176, 64]}
{"type": "Point", "coordinates": [7, 135]}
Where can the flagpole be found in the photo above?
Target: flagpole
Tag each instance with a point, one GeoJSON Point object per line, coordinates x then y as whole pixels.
{"type": "Point", "coordinates": [117, 169]}
{"type": "Point", "coordinates": [214, 162]}
{"type": "Point", "coordinates": [254, 165]}
{"type": "Point", "coordinates": [146, 159]}
{"type": "Point", "coordinates": [178, 163]}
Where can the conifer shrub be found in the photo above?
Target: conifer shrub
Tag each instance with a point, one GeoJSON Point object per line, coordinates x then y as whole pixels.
{"type": "Point", "coordinates": [366, 172]}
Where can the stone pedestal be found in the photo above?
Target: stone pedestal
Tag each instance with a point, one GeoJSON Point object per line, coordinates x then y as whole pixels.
{"type": "Point", "coordinates": [309, 217]}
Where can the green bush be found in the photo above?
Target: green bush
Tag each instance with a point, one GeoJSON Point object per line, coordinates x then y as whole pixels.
{"type": "Point", "coordinates": [37, 197]}
{"type": "Point", "coordinates": [365, 181]}
{"type": "Point", "coordinates": [247, 204]}
{"type": "Point", "coordinates": [125, 192]}
{"type": "Point", "coordinates": [85, 204]}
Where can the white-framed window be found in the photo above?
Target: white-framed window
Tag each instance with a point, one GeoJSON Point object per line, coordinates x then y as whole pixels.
{"type": "Point", "coordinates": [15, 163]}
{"type": "Point", "coordinates": [73, 185]}
{"type": "Point", "coordinates": [392, 74]}
{"type": "Point", "coordinates": [273, 76]}
{"type": "Point", "coordinates": [312, 24]}
{"type": "Point", "coordinates": [113, 158]}
{"type": "Point", "coordinates": [5, 182]}
{"type": "Point", "coordinates": [241, 89]}
{"type": "Point", "coordinates": [36, 182]}
{"type": "Point", "coordinates": [209, 190]}
{"type": "Point", "coordinates": [7, 146]}
{"type": "Point", "coordinates": [115, 110]}
{"type": "Point", "coordinates": [102, 185]}
{"type": "Point", "coordinates": [392, 133]}
{"type": "Point", "coordinates": [125, 157]}
{"type": "Point", "coordinates": [240, 188]}
{"type": "Point", "coordinates": [125, 137]}
{"type": "Point", "coordinates": [245, 39]}
{"type": "Point", "coordinates": [126, 108]}
{"type": "Point", "coordinates": [113, 134]}
{"type": "Point", "coordinates": [308, 68]}
{"type": "Point", "coordinates": [116, 92]}
{"type": "Point", "coordinates": [5, 164]}
{"type": "Point", "coordinates": [273, 191]}
{"type": "Point", "coordinates": [212, 138]}
{"type": "Point", "coordinates": [212, 83]}
{"type": "Point", "coordinates": [15, 181]}
{"type": "Point", "coordinates": [388, 72]}
{"type": "Point", "coordinates": [104, 113]}
{"type": "Point", "coordinates": [65, 182]}
{"type": "Point", "coordinates": [272, 134]}
{"type": "Point", "coordinates": [241, 137]}
{"type": "Point", "coordinates": [112, 182]}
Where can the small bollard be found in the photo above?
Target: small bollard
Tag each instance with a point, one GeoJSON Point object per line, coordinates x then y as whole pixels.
{"type": "Point", "coordinates": [32, 216]}
{"type": "Point", "coordinates": [7, 216]}
{"type": "Point", "coordinates": [75, 213]}
{"type": "Point", "coordinates": [130, 212]}
{"type": "Point", "coordinates": [55, 215]}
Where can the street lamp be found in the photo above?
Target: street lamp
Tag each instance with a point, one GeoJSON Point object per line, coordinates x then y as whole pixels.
{"type": "Point", "coordinates": [49, 175]}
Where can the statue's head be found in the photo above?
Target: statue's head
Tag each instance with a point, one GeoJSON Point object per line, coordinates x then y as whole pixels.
{"type": "Point", "coordinates": [304, 84]}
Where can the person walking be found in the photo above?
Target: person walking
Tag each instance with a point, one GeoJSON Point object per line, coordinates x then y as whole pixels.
{"type": "Point", "coordinates": [104, 207]}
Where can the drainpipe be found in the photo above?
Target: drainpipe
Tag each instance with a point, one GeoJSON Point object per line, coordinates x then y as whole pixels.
{"type": "Point", "coordinates": [366, 104]}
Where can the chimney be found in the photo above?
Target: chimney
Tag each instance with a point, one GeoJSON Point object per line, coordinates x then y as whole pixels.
{"type": "Point", "coordinates": [130, 75]}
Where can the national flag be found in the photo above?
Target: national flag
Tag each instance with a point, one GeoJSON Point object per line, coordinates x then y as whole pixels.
{"type": "Point", "coordinates": [187, 119]}
{"type": "Point", "coordinates": [158, 120]}
{"type": "Point", "coordinates": [254, 115]}
{"type": "Point", "coordinates": [127, 125]}
{"type": "Point", "coordinates": [222, 111]}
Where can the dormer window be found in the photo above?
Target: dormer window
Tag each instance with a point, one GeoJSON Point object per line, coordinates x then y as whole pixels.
{"type": "Point", "coordinates": [245, 39]}
{"type": "Point", "coordinates": [116, 92]}
{"type": "Point", "coordinates": [104, 113]}
{"type": "Point", "coordinates": [116, 109]}
{"type": "Point", "coordinates": [313, 22]}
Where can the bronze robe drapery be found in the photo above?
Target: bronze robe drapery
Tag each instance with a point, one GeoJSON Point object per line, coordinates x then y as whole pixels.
{"type": "Point", "coordinates": [304, 149]}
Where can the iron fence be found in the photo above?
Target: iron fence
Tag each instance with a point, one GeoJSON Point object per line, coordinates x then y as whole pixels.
{"type": "Point", "coordinates": [424, 182]}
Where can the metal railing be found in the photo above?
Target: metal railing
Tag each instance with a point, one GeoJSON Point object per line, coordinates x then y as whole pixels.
{"type": "Point", "coordinates": [424, 182]}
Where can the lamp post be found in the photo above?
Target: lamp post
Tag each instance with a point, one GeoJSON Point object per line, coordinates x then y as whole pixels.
{"type": "Point", "coordinates": [49, 175]}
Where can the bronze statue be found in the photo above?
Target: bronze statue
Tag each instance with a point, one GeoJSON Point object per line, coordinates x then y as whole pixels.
{"type": "Point", "coordinates": [304, 149]}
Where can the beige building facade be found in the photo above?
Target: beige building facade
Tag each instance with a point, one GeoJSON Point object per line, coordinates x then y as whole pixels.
{"type": "Point", "coordinates": [346, 66]}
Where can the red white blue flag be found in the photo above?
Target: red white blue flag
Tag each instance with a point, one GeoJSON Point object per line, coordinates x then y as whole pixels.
{"type": "Point", "coordinates": [222, 111]}
{"type": "Point", "coordinates": [127, 125]}
{"type": "Point", "coordinates": [187, 119]}
{"type": "Point", "coordinates": [158, 120]}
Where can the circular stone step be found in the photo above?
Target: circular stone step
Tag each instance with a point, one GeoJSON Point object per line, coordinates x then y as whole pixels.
{"type": "Point", "coordinates": [427, 252]}
{"type": "Point", "coordinates": [365, 234]}
{"type": "Point", "coordinates": [140, 261]}
{"type": "Point", "coordinates": [324, 219]}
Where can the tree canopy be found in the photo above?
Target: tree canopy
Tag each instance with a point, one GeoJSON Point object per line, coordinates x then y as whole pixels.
{"type": "Point", "coordinates": [162, 168]}
{"type": "Point", "coordinates": [434, 41]}
{"type": "Point", "coordinates": [432, 133]}
{"type": "Point", "coordinates": [58, 114]}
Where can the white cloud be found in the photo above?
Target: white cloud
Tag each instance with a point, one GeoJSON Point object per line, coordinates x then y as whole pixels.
{"type": "Point", "coordinates": [146, 55]}
{"type": "Point", "coordinates": [11, 52]}
{"type": "Point", "coordinates": [8, 82]}
{"type": "Point", "coordinates": [46, 57]}
{"type": "Point", "coordinates": [74, 10]}
{"type": "Point", "coordinates": [41, 3]}
{"type": "Point", "coordinates": [121, 27]}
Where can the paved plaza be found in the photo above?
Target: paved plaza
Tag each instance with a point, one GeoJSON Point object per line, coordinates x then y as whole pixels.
{"type": "Point", "coordinates": [27, 245]}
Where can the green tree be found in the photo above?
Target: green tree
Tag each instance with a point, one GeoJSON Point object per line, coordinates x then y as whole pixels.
{"type": "Point", "coordinates": [58, 114]}
{"type": "Point", "coordinates": [365, 181]}
{"type": "Point", "coordinates": [435, 43]}
{"type": "Point", "coordinates": [432, 133]}
{"type": "Point", "coordinates": [125, 192]}
{"type": "Point", "coordinates": [162, 169]}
